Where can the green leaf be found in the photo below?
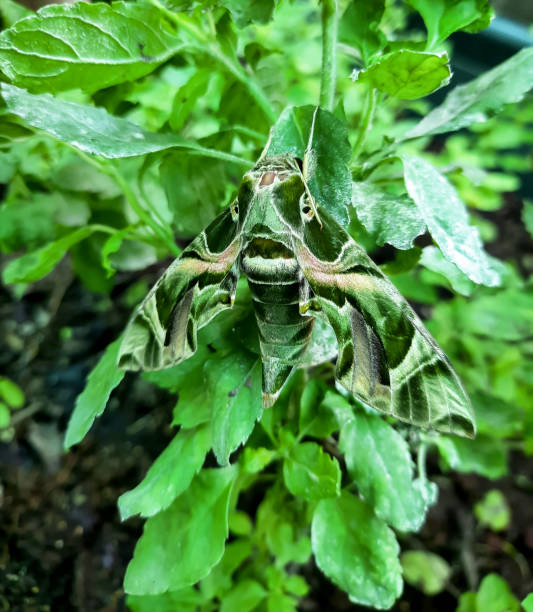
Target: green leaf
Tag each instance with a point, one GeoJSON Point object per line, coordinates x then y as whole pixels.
{"type": "Point", "coordinates": [527, 603]}
{"type": "Point", "coordinates": [171, 474]}
{"type": "Point", "coordinates": [219, 578]}
{"type": "Point", "coordinates": [11, 393]}
{"type": "Point", "coordinates": [527, 216]}
{"type": "Point", "coordinates": [254, 460]}
{"type": "Point", "coordinates": [311, 473]}
{"type": "Point", "coordinates": [36, 264]}
{"type": "Point", "coordinates": [379, 462]}
{"type": "Point", "coordinates": [181, 544]}
{"type": "Point", "coordinates": [184, 600]}
{"type": "Point", "coordinates": [493, 511]}
{"type": "Point", "coordinates": [444, 17]}
{"type": "Point", "coordinates": [480, 98]}
{"type": "Point", "coordinates": [379, 212]}
{"type": "Point", "coordinates": [11, 12]}
{"type": "Point", "coordinates": [447, 220]}
{"type": "Point", "coordinates": [506, 316]}
{"type": "Point", "coordinates": [485, 456]}
{"type": "Point", "coordinates": [234, 392]}
{"type": "Point", "coordinates": [315, 419]}
{"type": "Point", "coordinates": [433, 260]}
{"type": "Point", "coordinates": [245, 596]}
{"type": "Point", "coordinates": [195, 190]}
{"type": "Point", "coordinates": [186, 98]}
{"type": "Point", "coordinates": [91, 402]}
{"type": "Point", "coordinates": [5, 416]}
{"type": "Point", "coordinates": [86, 46]}
{"type": "Point", "coordinates": [357, 551]}
{"type": "Point", "coordinates": [329, 179]}
{"type": "Point", "coordinates": [245, 13]}
{"type": "Point", "coordinates": [425, 571]}
{"type": "Point", "coordinates": [407, 74]}
{"type": "Point", "coordinates": [279, 522]}
{"type": "Point", "coordinates": [94, 130]}
{"type": "Point", "coordinates": [494, 595]}
{"type": "Point", "coordinates": [359, 27]}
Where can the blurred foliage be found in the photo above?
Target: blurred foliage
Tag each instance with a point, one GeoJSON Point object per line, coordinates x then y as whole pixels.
{"type": "Point", "coordinates": [118, 138]}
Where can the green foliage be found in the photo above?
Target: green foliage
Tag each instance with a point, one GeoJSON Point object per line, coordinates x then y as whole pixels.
{"type": "Point", "coordinates": [344, 531]}
{"type": "Point", "coordinates": [493, 595]}
{"type": "Point", "coordinates": [493, 511]}
{"type": "Point", "coordinates": [426, 571]}
{"type": "Point", "coordinates": [124, 125]}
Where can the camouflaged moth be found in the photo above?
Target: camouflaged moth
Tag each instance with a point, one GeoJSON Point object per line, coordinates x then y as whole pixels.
{"type": "Point", "coordinates": [300, 264]}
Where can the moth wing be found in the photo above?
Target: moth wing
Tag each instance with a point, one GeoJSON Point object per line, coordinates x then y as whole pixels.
{"type": "Point", "coordinates": [195, 287]}
{"type": "Point", "coordinates": [387, 358]}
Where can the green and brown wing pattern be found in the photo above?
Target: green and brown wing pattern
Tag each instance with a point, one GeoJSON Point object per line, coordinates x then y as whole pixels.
{"type": "Point", "coordinates": [195, 288]}
{"type": "Point", "coordinates": [387, 358]}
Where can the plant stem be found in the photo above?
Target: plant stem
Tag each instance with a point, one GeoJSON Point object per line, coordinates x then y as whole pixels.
{"type": "Point", "coordinates": [329, 54]}
{"type": "Point", "coordinates": [367, 117]}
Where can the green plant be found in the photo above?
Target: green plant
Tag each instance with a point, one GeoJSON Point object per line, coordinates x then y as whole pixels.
{"type": "Point", "coordinates": [158, 109]}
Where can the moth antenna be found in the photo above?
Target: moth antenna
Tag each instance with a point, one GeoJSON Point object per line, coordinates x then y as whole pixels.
{"type": "Point", "coordinates": [265, 150]}
{"type": "Point", "coordinates": [307, 154]}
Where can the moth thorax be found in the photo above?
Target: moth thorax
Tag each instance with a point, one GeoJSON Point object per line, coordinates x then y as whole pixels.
{"type": "Point", "coordinates": [268, 261]}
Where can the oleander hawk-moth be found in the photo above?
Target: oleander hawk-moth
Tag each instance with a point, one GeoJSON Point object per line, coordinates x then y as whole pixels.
{"type": "Point", "coordinates": [300, 264]}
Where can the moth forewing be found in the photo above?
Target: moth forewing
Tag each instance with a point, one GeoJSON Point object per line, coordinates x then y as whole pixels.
{"type": "Point", "coordinates": [387, 358]}
{"type": "Point", "coordinates": [196, 287]}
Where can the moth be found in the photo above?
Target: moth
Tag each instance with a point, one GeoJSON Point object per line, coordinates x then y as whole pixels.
{"type": "Point", "coordinates": [300, 264]}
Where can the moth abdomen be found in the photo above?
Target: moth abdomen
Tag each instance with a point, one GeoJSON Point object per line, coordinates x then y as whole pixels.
{"type": "Point", "coordinates": [284, 333]}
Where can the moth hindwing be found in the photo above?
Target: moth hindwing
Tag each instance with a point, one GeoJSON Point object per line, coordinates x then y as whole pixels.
{"type": "Point", "coordinates": [299, 266]}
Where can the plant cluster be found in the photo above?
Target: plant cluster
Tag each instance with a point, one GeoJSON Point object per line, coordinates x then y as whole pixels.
{"type": "Point", "coordinates": [126, 127]}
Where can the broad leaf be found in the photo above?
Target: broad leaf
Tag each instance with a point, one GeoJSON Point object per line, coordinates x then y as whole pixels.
{"type": "Point", "coordinates": [485, 456]}
{"type": "Point", "coordinates": [171, 474]}
{"type": "Point", "coordinates": [245, 13]}
{"type": "Point", "coordinates": [94, 130]}
{"type": "Point", "coordinates": [407, 74]}
{"type": "Point", "coordinates": [36, 264]}
{"type": "Point", "coordinates": [444, 17]}
{"type": "Point", "coordinates": [378, 460]}
{"type": "Point", "coordinates": [92, 401]}
{"type": "Point", "coordinates": [315, 419]}
{"type": "Point", "coordinates": [195, 190]}
{"type": "Point", "coordinates": [244, 596]}
{"type": "Point", "coordinates": [493, 511]}
{"type": "Point", "coordinates": [234, 392]}
{"type": "Point", "coordinates": [447, 220]}
{"type": "Point", "coordinates": [311, 473]}
{"type": "Point", "coordinates": [184, 600]}
{"type": "Point", "coordinates": [380, 211]}
{"type": "Point", "coordinates": [506, 316]}
{"type": "Point", "coordinates": [433, 260]}
{"type": "Point", "coordinates": [329, 179]}
{"type": "Point", "coordinates": [357, 551]}
{"type": "Point", "coordinates": [494, 595]}
{"type": "Point", "coordinates": [359, 27]}
{"type": "Point", "coordinates": [476, 101]}
{"type": "Point", "coordinates": [86, 46]}
{"type": "Point", "coordinates": [425, 571]}
{"type": "Point", "coordinates": [181, 544]}
{"type": "Point", "coordinates": [280, 523]}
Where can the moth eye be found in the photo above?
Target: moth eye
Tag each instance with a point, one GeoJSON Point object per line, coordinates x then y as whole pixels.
{"type": "Point", "coordinates": [307, 212]}
{"type": "Point", "coordinates": [235, 212]}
